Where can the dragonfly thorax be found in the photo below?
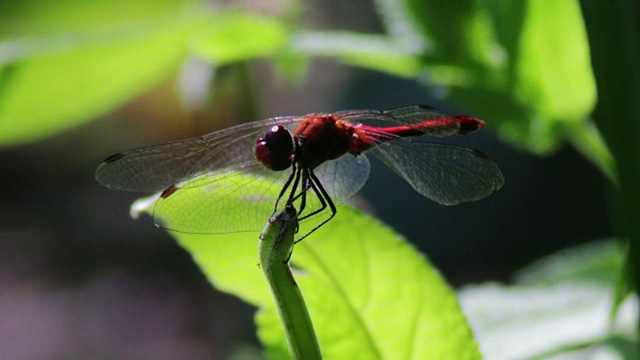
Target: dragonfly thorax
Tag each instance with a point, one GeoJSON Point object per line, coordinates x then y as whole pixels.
{"type": "Point", "coordinates": [320, 138]}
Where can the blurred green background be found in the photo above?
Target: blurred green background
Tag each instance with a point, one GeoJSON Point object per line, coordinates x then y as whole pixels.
{"type": "Point", "coordinates": [80, 80]}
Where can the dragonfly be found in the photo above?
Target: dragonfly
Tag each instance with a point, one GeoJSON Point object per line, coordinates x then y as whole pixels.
{"type": "Point", "coordinates": [231, 180]}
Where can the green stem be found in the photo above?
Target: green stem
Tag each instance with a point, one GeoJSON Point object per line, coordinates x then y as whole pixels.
{"type": "Point", "coordinates": [274, 251]}
{"type": "Point", "coordinates": [589, 142]}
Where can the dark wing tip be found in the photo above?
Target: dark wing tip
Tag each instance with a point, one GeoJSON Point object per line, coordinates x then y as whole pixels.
{"type": "Point", "coordinates": [104, 172]}
{"type": "Point", "coordinates": [469, 124]}
{"type": "Point", "coordinates": [426, 107]}
{"type": "Point", "coordinates": [169, 191]}
{"type": "Point", "coordinates": [113, 158]}
{"type": "Point", "coordinates": [480, 154]}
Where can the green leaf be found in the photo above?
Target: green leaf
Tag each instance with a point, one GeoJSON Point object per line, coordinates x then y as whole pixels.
{"type": "Point", "coordinates": [240, 36]}
{"type": "Point", "coordinates": [568, 295]}
{"type": "Point", "coordinates": [374, 52]}
{"type": "Point", "coordinates": [368, 291]}
{"type": "Point", "coordinates": [53, 81]}
{"type": "Point", "coordinates": [522, 66]}
{"type": "Point", "coordinates": [445, 24]}
{"type": "Point", "coordinates": [554, 67]}
{"type": "Point", "coordinates": [507, 17]}
{"type": "Point", "coordinates": [44, 17]}
{"type": "Point", "coordinates": [596, 262]}
{"type": "Point", "coordinates": [533, 322]}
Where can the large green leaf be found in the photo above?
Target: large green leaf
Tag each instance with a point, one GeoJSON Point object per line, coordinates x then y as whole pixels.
{"type": "Point", "coordinates": [558, 306]}
{"type": "Point", "coordinates": [239, 36]}
{"type": "Point", "coordinates": [47, 17]}
{"type": "Point", "coordinates": [597, 262]}
{"type": "Point", "coordinates": [553, 67]}
{"type": "Point", "coordinates": [61, 70]}
{"type": "Point", "coordinates": [368, 291]}
{"type": "Point", "coordinates": [374, 52]}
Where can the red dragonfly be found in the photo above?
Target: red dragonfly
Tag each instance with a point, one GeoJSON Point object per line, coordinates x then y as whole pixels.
{"type": "Point", "coordinates": [231, 180]}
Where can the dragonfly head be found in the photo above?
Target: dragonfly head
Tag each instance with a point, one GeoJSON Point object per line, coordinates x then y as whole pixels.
{"type": "Point", "coordinates": [275, 149]}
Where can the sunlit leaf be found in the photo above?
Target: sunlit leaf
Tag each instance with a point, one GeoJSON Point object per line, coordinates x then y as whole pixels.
{"type": "Point", "coordinates": [594, 263]}
{"type": "Point", "coordinates": [554, 67]}
{"type": "Point", "coordinates": [368, 291]}
{"type": "Point", "coordinates": [525, 322]}
{"type": "Point", "coordinates": [560, 304]}
{"type": "Point", "coordinates": [368, 51]}
{"type": "Point", "coordinates": [54, 79]}
{"type": "Point", "coordinates": [46, 17]}
{"type": "Point", "coordinates": [237, 36]}
{"type": "Point", "coordinates": [597, 262]}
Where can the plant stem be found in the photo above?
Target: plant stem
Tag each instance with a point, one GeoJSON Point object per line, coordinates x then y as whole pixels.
{"type": "Point", "coordinates": [589, 142]}
{"type": "Point", "coordinates": [274, 251]}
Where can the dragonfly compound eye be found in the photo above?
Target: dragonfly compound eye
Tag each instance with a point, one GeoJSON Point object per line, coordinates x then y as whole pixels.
{"type": "Point", "coordinates": [275, 149]}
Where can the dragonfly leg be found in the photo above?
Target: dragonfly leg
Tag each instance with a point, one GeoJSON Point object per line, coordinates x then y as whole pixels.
{"type": "Point", "coordinates": [303, 192]}
{"type": "Point", "coordinates": [295, 174]}
{"type": "Point", "coordinates": [325, 200]}
{"type": "Point", "coordinates": [306, 185]}
{"type": "Point", "coordinates": [294, 187]}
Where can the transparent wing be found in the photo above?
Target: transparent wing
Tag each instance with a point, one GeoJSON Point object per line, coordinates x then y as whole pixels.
{"type": "Point", "coordinates": [446, 174]}
{"type": "Point", "coordinates": [402, 115]}
{"type": "Point", "coordinates": [155, 168]}
{"type": "Point", "coordinates": [344, 177]}
{"type": "Point", "coordinates": [232, 201]}
{"type": "Point", "coordinates": [217, 185]}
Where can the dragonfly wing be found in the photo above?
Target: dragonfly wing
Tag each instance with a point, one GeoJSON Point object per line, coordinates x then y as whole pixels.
{"type": "Point", "coordinates": [231, 201]}
{"type": "Point", "coordinates": [446, 174]}
{"type": "Point", "coordinates": [402, 115]}
{"type": "Point", "coordinates": [156, 168]}
{"type": "Point", "coordinates": [235, 201]}
{"type": "Point", "coordinates": [344, 177]}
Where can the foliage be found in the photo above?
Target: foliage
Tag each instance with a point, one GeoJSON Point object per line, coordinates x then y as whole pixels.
{"type": "Point", "coordinates": [614, 32]}
{"type": "Point", "coordinates": [503, 61]}
{"type": "Point", "coordinates": [558, 306]}
{"type": "Point", "coordinates": [372, 295]}
{"type": "Point", "coordinates": [526, 65]}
